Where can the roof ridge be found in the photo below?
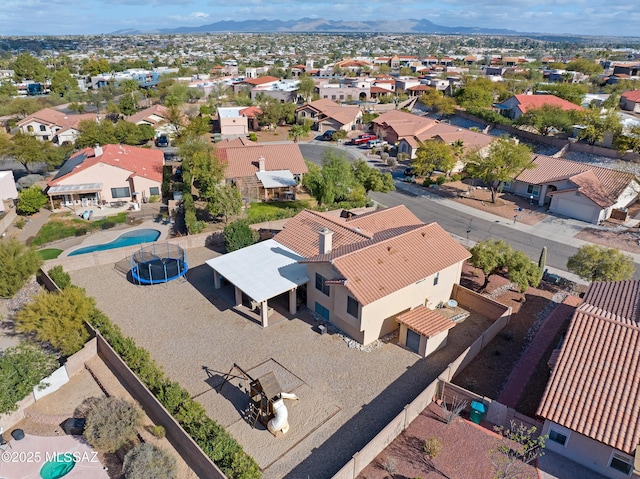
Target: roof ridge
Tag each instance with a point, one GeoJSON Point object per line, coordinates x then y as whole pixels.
{"type": "Point", "coordinates": [358, 231]}
{"type": "Point", "coordinates": [614, 318]}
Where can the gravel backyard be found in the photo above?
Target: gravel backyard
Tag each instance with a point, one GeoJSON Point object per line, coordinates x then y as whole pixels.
{"type": "Point", "coordinates": [346, 396]}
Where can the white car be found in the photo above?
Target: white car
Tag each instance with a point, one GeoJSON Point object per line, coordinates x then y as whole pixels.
{"type": "Point", "coordinates": [374, 143]}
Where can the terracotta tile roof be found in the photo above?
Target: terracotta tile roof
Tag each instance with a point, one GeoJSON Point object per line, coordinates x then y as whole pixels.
{"type": "Point", "coordinates": [384, 219]}
{"type": "Point", "coordinates": [377, 89]}
{"type": "Point", "coordinates": [421, 87]}
{"type": "Point", "coordinates": [633, 96]}
{"type": "Point", "coordinates": [146, 114]}
{"type": "Point", "coordinates": [343, 114]}
{"type": "Point", "coordinates": [595, 386]}
{"type": "Point", "coordinates": [250, 111]}
{"type": "Point", "coordinates": [548, 169]}
{"type": "Point", "coordinates": [261, 80]}
{"type": "Point", "coordinates": [404, 124]}
{"type": "Point", "coordinates": [588, 185]}
{"type": "Point", "coordinates": [471, 140]}
{"type": "Point", "coordinates": [621, 298]}
{"type": "Point", "coordinates": [319, 105]}
{"type": "Point", "coordinates": [425, 322]}
{"type": "Point", "coordinates": [242, 160]}
{"type": "Point", "coordinates": [142, 162]}
{"type": "Point", "coordinates": [530, 102]}
{"type": "Point", "coordinates": [52, 117]}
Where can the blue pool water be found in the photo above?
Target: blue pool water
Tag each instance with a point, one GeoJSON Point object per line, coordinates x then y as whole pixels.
{"type": "Point", "coordinates": [127, 239]}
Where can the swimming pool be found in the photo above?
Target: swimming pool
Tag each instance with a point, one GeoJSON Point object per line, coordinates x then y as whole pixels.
{"type": "Point", "coordinates": [127, 239]}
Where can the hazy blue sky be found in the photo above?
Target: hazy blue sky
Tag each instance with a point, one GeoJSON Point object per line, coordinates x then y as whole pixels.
{"type": "Point", "coordinates": [588, 17]}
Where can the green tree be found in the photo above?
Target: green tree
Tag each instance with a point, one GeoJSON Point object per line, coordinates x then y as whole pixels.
{"type": "Point", "coordinates": [60, 277]}
{"type": "Point", "coordinates": [238, 234]}
{"type": "Point", "coordinates": [523, 271]}
{"type": "Point", "coordinates": [629, 141]}
{"type": "Point", "coordinates": [588, 67]}
{"type": "Point", "coordinates": [31, 200]}
{"type": "Point", "coordinates": [19, 263]}
{"type": "Point", "coordinates": [22, 368]}
{"type": "Point", "coordinates": [372, 179]}
{"type": "Point", "coordinates": [8, 89]}
{"type": "Point", "coordinates": [438, 102]}
{"type": "Point", "coordinates": [548, 118]}
{"type": "Point", "coordinates": [476, 93]}
{"type": "Point", "coordinates": [332, 183]}
{"type": "Point", "coordinates": [129, 86]}
{"type": "Point", "coordinates": [28, 151]}
{"type": "Point", "coordinates": [128, 104]}
{"type": "Point", "coordinates": [93, 133]}
{"type": "Point", "coordinates": [490, 256]}
{"type": "Point", "coordinates": [111, 424]}
{"type": "Point", "coordinates": [64, 85]}
{"type": "Point", "coordinates": [28, 67]}
{"type": "Point", "coordinates": [518, 445]}
{"type": "Point", "coordinates": [597, 125]}
{"type": "Point", "coordinates": [146, 460]}
{"type": "Point", "coordinates": [307, 87]}
{"type": "Point", "coordinates": [573, 92]}
{"type": "Point", "coordinates": [433, 155]}
{"type": "Point", "coordinates": [177, 94]}
{"type": "Point", "coordinates": [297, 131]}
{"type": "Point", "coordinates": [96, 66]}
{"type": "Point", "coordinates": [598, 263]}
{"type": "Point", "coordinates": [226, 202]}
{"type": "Point", "coordinates": [504, 160]}
{"type": "Point", "coordinates": [58, 319]}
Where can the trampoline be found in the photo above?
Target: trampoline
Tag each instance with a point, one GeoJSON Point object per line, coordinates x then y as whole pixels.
{"type": "Point", "coordinates": [158, 263]}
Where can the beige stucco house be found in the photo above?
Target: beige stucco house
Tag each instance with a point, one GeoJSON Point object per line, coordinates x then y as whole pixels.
{"type": "Point", "coordinates": [592, 401]}
{"type": "Point", "coordinates": [100, 175]}
{"type": "Point", "coordinates": [327, 115]}
{"type": "Point", "coordinates": [362, 273]}
{"type": "Point", "coordinates": [630, 101]}
{"type": "Point", "coordinates": [53, 125]}
{"type": "Point", "coordinates": [8, 190]}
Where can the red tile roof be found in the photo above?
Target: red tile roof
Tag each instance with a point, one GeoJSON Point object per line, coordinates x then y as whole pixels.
{"type": "Point", "coordinates": [404, 124]}
{"type": "Point", "coordinates": [242, 160]}
{"type": "Point", "coordinates": [384, 219]}
{"type": "Point", "coordinates": [146, 114]}
{"type": "Point", "coordinates": [142, 162]}
{"type": "Point", "coordinates": [531, 102]}
{"type": "Point", "coordinates": [595, 386]}
{"type": "Point", "coordinates": [261, 80]}
{"type": "Point", "coordinates": [250, 111]}
{"type": "Point", "coordinates": [426, 322]}
{"type": "Point", "coordinates": [603, 187]}
{"type": "Point", "coordinates": [633, 96]}
{"type": "Point", "coordinates": [51, 117]}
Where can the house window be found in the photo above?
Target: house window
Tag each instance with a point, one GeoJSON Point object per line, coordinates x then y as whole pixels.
{"type": "Point", "coordinates": [322, 311]}
{"type": "Point", "coordinates": [621, 463]}
{"type": "Point", "coordinates": [120, 192]}
{"type": "Point", "coordinates": [533, 190]}
{"type": "Point", "coordinates": [436, 277]}
{"type": "Point", "coordinates": [45, 137]}
{"type": "Point", "coordinates": [43, 128]}
{"type": "Point", "coordinates": [154, 191]}
{"type": "Point", "coordinates": [352, 306]}
{"type": "Point", "coordinates": [558, 437]}
{"type": "Point", "coordinates": [506, 184]}
{"type": "Point", "coordinates": [30, 128]}
{"type": "Point", "coordinates": [321, 284]}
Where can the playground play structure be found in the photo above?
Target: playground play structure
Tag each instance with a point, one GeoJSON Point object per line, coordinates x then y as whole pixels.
{"type": "Point", "coordinates": [266, 401]}
{"type": "Point", "coordinates": [158, 263]}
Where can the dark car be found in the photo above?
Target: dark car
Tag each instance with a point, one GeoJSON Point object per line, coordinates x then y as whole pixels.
{"type": "Point", "coordinates": [409, 171]}
{"type": "Point", "coordinates": [327, 135]}
{"type": "Point", "coordinates": [162, 141]}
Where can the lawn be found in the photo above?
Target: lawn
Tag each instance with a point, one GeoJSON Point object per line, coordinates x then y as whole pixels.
{"type": "Point", "coordinates": [66, 227]}
{"type": "Point", "coordinates": [49, 253]}
{"type": "Point", "coordinates": [274, 210]}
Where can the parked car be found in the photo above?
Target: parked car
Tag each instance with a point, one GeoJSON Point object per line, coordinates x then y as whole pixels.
{"type": "Point", "coordinates": [376, 142]}
{"type": "Point", "coordinates": [363, 139]}
{"type": "Point", "coordinates": [162, 141]}
{"type": "Point", "coordinates": [327, 135]}
{"type": "Point", "coordinates": [409, 171]}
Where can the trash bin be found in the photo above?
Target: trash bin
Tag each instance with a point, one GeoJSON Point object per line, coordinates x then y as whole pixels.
{"type": "Point", "coordinates": [478, 411]}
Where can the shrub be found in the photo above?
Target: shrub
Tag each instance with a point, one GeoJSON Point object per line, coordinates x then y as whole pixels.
{"type": "Point", "coordinates": [20, 223]}
{"type": "Point", "coordinates": [432, 447]}
{"type": "Point", "coordinates": [58, 318]}
{"type": "Point", "coordinates": [440, 180]}
{"type": "Point", "coordinates": [391, 161]}
{"type": "Point", "coordinates": [18, 264]}
{"type": "Point", "coordinates": [111, 424]}
{"type": "Point", "coordinates": [253, 137]}
{"type": "Point", "coordinates": [238, 234]}
{"type": "Point", "coordinates": [22, 368]}
{"type": "Point", "coordinates": [146, 460]}
{"type": "Point", "coordinates": [31, 200]}
{"type": "Point", "coordinates": [158, 431]}
{"type": "Point", "coordinates": [456, 177]}
{"type": "Point", "coordinates": [59, 276]}
{"type": "Point", "coordinates": [154, 198]}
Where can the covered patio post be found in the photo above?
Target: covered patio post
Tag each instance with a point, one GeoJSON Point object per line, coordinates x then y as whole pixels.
{"type": "Point", "coordinates": [216, 280]}
{"type": "Point", "coordinates": [238, 296]}
{"type": "Point", "coordinates": [264, 314]}
{"type": "Point", "coordinates": [292, 301]}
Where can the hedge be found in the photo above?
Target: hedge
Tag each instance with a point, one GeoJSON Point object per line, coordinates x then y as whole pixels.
{"type": "Point", "coordinates": [214, 440]}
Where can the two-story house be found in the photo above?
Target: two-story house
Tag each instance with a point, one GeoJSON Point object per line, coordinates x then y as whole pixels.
{"type": "Point", "coordinates": [53, 125]}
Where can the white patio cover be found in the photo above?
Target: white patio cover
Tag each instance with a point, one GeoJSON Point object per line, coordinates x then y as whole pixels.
{"type": "Point", "coordinates": [276, 178]}
{"type": "Point", "coordinates": [263, 270]}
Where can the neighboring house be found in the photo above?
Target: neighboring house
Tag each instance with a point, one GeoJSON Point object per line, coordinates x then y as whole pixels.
{"type": "Point", "coordinates": [328, 115]}
{"type": "Point", "coordinates": [157, 117]}
{"type": "Point", "coordinates": [630, 101]}
{"type": "Point", "coordinates": [361, 273]}
{"type": "Point", "coordinates": [252, 82]}
{"type": "Point", "coordinates": [282, 90]}
{"type": "Point", "coordinates": [518, 105]}
{"type": "Point", "coordinates": [8, 191]}
{"type": "Point", "coordinates": [232, 122]}
{"type": "Point", "coordinates": [95, 176]}
{"type": "Point", "coordinates": [577, 190]}
{"type": "Point", "coordinates": [262, 171]}
{"type": "Point", "coordinates": [53, 125]}
{"type": "Point", "coordinates": [592, 401]}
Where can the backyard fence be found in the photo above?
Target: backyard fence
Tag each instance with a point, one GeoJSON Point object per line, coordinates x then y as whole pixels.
{"type": "Point", "coordinates": [7, 219]}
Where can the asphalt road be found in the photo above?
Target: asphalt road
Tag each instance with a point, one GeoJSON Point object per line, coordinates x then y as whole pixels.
{"type": "Point", "coordinates": [458, 223]}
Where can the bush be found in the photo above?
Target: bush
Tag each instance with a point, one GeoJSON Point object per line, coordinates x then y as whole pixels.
{"type": "Point", "coordinates": [440, 180]}
{"type": "Point", "coordinates": [432, 447]}
{"type": "Point", "coordinates": [59, 276]}
{"type": "Point", "coordinates": [18, 264]}
{"type": "Point", "coordinates": [392, 161]}
{"type": "Point", "coordinates": [58, 318]}
{"type": "Point", "coordinates": [154, 198]}
{"type": "Point", "coordinates": [456, 177]}
{"type": "Point", "coordinates": [253, 137]}
{"type": "Point", "coordinates": [238, 234]}
{"type": "Point", "coordinates": [112, 424]}
{"type": "Point", "coordinates": [21, 369]}
{"type": "Point", "coordinates": [146, 460]}
{"type": "Point", "coordinates": [31, 200]}
{"type": "Point", "coordinates": [158, 431]}
{"type": "Point", "coordinates": [20, 223]}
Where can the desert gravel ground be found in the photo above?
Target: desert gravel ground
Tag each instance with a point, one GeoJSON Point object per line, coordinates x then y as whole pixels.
{"type": "Point", "coordinates": [346, 396]}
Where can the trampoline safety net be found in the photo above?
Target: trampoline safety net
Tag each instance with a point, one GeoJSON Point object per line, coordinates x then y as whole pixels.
{"type": "Point", "coordinates": [158, 263]}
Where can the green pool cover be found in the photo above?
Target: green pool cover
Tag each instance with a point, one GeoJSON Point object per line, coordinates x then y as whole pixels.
{"type": "Point", "coordinates": [58, 467]}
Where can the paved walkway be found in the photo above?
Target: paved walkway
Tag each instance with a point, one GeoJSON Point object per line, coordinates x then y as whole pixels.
{"type": "Point", "coordinates": [555, 466]}
{"type": "Point", "coordinates": [31, 228]}
{"type": "Point", "coordinates": [521, 374]}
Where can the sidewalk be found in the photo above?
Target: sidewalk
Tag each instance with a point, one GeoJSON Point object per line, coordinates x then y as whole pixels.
{"type": "Point", "coordinates": [31, 228]}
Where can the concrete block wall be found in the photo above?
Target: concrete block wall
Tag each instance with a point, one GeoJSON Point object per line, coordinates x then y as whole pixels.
{"type": "Point", "coordinates": [7, 219]}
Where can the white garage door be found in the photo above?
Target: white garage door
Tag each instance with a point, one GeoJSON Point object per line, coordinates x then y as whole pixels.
{"type": "Point", "coordinates": [578, 211]}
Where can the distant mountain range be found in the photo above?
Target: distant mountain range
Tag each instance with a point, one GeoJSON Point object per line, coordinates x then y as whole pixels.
{"type": "Point", "coordinates": [321, 25]}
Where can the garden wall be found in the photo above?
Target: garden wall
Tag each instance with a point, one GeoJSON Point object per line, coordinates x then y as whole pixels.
{"type": "Point", "coordinates": [197, 460]}
{"type": "Point", "coordinates": [466, 299]}
{"type": "Point", "coordinates": [7, 219]}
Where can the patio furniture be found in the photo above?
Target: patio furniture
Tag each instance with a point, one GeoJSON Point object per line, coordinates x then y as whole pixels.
{"type": "Point", "coordinates": [17, 434]}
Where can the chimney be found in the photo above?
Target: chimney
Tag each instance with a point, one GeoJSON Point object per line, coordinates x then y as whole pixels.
{"type": "Point", "coordinates": [326, 240]}
{"type": "Point", "coordinates": [97, 150]}
{"type": "Point", "coordinates": [261, 163]}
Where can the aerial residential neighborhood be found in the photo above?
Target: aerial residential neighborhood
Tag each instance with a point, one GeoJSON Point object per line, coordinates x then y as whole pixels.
{"type": "Point", "coordinates": [319, 248]}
